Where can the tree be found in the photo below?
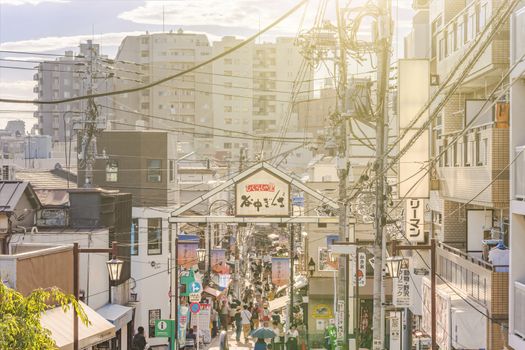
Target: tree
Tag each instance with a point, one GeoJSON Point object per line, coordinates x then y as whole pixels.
{"type": "Point", "coordinates": [20, 316]}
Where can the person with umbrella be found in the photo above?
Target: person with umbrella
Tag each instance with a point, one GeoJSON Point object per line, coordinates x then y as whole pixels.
{"type": "Point", "coordinates": [260, 344]}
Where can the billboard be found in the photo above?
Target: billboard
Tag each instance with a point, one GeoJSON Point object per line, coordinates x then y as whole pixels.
{"type": "Point", "coordinates": [262, 194]}
{"type": "Point", "coordinates": [413, 93]}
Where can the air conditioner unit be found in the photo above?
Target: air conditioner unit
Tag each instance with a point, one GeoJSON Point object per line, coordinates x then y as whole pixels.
{"type": "Point", "coordinates": [8, 173]}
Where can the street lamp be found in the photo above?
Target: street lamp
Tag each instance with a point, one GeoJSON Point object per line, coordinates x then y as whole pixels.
{"type": "Point", "coordinates": [114, 269]}
{"type": "Point", "coordinates": [201, 254]}
{"type": "Point", "coordinates": [393, 265]}
{"type": "Point", "coordinates": [311, 266]}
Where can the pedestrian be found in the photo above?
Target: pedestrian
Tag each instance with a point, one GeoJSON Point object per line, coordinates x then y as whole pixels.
{"type": "Point", "coordinates": [224, 315]}
{"type": "Point", "coordinates": [293, 338]}
{"type": "Point", "coordinates": [260, 344]}
{"type": "Point", "coordinates": [246, 317]}
{"type": "Point", "coordinates": [265, 314]}
{"type": "Point", "coordinates": [139, 341]}
{"type": "Point", "coordinates": [238, 323]}
{"type": "Point", "coordinates": [214, 322]}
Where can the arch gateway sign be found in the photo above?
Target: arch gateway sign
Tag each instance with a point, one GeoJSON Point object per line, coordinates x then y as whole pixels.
{"type": "Point", "coordinates": [262, 194]}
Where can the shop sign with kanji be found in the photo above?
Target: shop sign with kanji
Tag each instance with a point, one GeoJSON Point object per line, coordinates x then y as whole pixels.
{"type": "Point", "coordinates": [401, 290]}
{"type": "Point", "coordinates": [262, 194]}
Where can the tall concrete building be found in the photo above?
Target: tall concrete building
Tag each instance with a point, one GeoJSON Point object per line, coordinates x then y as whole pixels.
{"type": "Point", "coordinates": [233, 96]}
{"type": "Point", "coordinates": [70, 76]}
{"type": "Point", "coordinates": [252, 93]}
{"type": "Point", "coordinates": [180, 105]}
{"type": "Point", "coordinates": [517, 187]}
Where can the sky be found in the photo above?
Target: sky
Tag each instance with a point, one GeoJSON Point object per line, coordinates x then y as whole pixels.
{"type": "Point", "coordinates": [53, 26]}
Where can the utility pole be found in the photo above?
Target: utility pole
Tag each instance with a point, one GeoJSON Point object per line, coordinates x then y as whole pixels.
{"type": "Point", "coordinates": [90, 127]}
{"type": "Point", "coordinates": [342, 170]}
{"type": "Point", "coordinates": [383, 39]}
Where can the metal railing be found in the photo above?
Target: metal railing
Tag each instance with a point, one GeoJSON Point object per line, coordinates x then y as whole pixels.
{"type": "Point", "coordinates": [472, 259]}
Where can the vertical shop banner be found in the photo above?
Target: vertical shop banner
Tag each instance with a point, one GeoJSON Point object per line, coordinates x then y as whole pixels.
{"type": "Point", "coordinates": [280, 271]}
{"type": "Point", "coordinates": [203, 318]}
{"type": "Point", "coordinates": [340, 320]}
{"type": "Point", "coordinates": [224, 280]}
{"type": "Point", "coordinates": [218, 261]}
{"type": "Point", "coordinates": [184, 311]}
{"type": "Point", "coordinates": [415, 220]}
{"type": "Point", "coordinates": [187, 253]}
{"type": "Point", "coordinates": [326, 260]}
{"type": "Point", "coordinates": [401, 289]}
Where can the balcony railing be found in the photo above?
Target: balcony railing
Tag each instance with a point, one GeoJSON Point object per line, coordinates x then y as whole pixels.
{"type": "Point", "coordinates": [519, 173]}
{"type": "Point", "coordinates": [519, 309]}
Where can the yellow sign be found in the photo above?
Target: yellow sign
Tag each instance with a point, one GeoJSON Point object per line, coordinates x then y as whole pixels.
{"type": "Point", "coordinates": [322, 311]}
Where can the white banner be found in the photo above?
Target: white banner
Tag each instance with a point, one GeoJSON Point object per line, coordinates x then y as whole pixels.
{"type": "Point", "coordinates": [401, 289]}
{"type": "Point", "coordinates": [262, 194]}
{"type": "Point", "coordinates": [415, 220]}
{"type": "Point", "coordinates": [340, 320]}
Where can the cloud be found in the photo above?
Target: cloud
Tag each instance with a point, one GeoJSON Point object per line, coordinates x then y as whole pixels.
{"type": "Point", "coordinates": [17, 89]}
{"type": "Point", "coordinates": [244, 13]}
{"type": "Point", "coordinates": [57, 43]}
{"type": "Point", "coordinates": [30, 2]}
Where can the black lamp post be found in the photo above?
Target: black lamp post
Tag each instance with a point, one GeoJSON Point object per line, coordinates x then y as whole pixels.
{"type": "Point", "coordinates": [311, 267]}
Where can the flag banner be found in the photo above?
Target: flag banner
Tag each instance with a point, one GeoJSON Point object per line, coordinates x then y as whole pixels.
{"type": "Point", "coordinates": [187, 254]}
{"type": "Point", "coordinates": [280, 271]}
{"type": "Point", "coordinates": [218, 261]}
{"type": "Point", "coordinates": [326, 260]}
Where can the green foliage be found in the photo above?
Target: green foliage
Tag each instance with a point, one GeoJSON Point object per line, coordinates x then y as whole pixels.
{"type": "Point", "coordinates": [20, 317]}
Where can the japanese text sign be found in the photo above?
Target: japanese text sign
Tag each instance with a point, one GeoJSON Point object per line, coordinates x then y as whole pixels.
{"type": "Point", "coordinates": [280, 271]}
{"type": "Point", "coordinates": [262, 194]}
{"type": "Point", "coordinates": [414, 220]}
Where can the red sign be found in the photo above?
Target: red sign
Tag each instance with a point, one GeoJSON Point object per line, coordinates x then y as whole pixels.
{"type": "Point", "coordinates": [195, 308]}
{"type": "Point", "coordinates": [260, 188]}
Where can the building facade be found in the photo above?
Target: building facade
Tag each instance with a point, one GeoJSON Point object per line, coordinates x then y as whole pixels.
{"type": "Point", "coordinates": [70, 76]}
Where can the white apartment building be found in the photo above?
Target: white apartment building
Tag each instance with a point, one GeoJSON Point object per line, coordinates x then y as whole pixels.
{"type": "Point", "coordinates": [70, 76]}
{"type": "Point", "coordinates": [180, 104]}
{"type": "Point", "coordinates": [517, 188]}
{"type": "Point", "coordinates": [233, 97]}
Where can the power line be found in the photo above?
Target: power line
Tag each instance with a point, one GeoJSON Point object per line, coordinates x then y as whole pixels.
{"type": "Point", "coordinates": [171, 77]}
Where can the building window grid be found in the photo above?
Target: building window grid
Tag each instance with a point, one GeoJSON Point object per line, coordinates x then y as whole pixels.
{"type": "Point", "coordinates": [154, 170]}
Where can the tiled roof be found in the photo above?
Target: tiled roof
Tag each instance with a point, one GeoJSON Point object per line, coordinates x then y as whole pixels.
{"type": "Point", "coordinates": [46, 179]}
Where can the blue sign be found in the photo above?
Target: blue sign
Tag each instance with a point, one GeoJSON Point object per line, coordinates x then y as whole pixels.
{"type": "Point", "coordinates": [298, 201]}
{"type": "Point", "coordinates": [195, 287]}
{"type": "Point", "coordinates": [195, 308]}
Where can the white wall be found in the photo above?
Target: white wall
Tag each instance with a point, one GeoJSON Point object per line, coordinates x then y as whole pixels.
{"type": "Point", "coordinates": [93, 276]}
{"type": "Point", "coordinates": [149, 272]}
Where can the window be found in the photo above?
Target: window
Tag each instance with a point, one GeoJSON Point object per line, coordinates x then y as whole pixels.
{"type": "Point", "coordinates": [441, 158]}
{"type": "Point", "coordinates": [154, 170]}
{"type": "Point", "coordinates": [144, 105]}
{"type": "Point", "coordinates": [228, 109]}
{"type": "Point", "coordinates": [227, 121]}
{"type": "Point", "coordinates": [153, 316]}
{"type": "Point", "coordinates": [482, 16]}
{"type": "Point", "coordinates": [144, 53]}
{"type": "Point", "coordinates": [134, 241]}
{"type": "Point", "coordinates": [471, 26]}
{"type": "Point", "coordinates": [441, 48]}
{"type": "Point", "coordinates": [112, 171]}
{"type": "Point", "coordinates": [227, 61]}
{"type": "Point", "coordinates": [172, 170]}
{"type": "Point", "coordinates": [451, 40]}
{"type": "Point", "coordinates": [227, 145]}
{"type": "Point", "coordinates": [154, 236]}
{"type": "Point", "coordinates": [460, 36]}
{"type": "Point", "coordinates": [446, 155]}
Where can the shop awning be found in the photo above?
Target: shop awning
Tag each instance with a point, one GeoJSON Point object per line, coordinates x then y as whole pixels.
{"type": "Point", "coordinates": [60, 324]}
{"type": "Point", "coordinates": [212, 291]}
{"type": "Point", "coordinates": [278, 303]}
{"type": "Point", "coordinates": [118, 315]}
